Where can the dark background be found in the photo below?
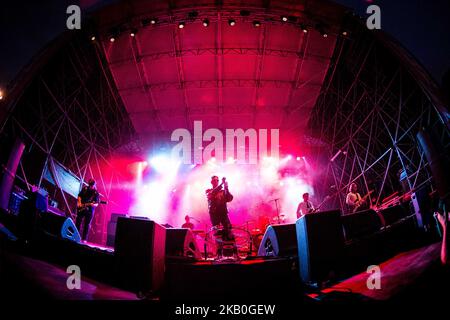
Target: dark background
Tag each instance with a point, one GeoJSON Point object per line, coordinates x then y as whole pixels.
{"type": "Point", "coordinates": [421, 26]}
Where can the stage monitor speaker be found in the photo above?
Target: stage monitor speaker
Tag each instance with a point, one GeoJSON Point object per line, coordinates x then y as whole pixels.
{"type": "Point", "coordinates": [6, 234]}
{"type": "Point", "coordinates": [320, 242]}
{"type": "Point", "coordinates": [279, 241]}
{"type": "Point", "coordinates": [361, 224]}
{"type": "Point", "coordinates": [59, 226]}
{"type": "Point", "coordinates": [139, 252]}
{"type": "Point", "coordinates": [393, 214]}
{"type": "Point", "coordinates": [181, 243]}
{"type": "Point", "coordinates": [111, 228]}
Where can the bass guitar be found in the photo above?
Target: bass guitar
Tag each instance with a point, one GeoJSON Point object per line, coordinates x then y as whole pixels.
{"type": "Point", "coordinates": [361, 201]}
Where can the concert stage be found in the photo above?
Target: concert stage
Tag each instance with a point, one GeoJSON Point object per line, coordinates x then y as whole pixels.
{"type": "Point", "coordinates": [179, 155]}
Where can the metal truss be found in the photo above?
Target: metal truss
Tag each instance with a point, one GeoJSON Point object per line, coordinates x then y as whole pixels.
{"type": "Point", "coordinates": [224, 51]}
{"type": "Point", "coordinates": [229, 83]}
{"type": "Point", "coordinates": [70, 113]}
{"type": "Point", "coordinates": [368, 114]}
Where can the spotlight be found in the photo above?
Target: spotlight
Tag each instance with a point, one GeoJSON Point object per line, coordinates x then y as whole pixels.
{"type": "Point", "coordinates": [256, 23]}
{"type": "Point", "coordinates": [336, 155]}
{"type": "Point", "coordinates": [181, 25]}
{"type": "Point", "coordinates": [1, 94]}
{"type": "Point", "coordinates": [298, 158]}
{"type": "Point", "coordinates": [133, 32]}
{"type": "Point", "coordinates": [284, 18]}
{"type": "Point", "coordinates": [114, 34]}
{"type": "Point", "coordinates": [321, 29]}
{"type": "Point", "coordinates": [344, 33]}
{"type": "Point", "coordinates": [304, 28]}
{"type": "Point", "coordinates": [147, 21]}
{"type": "Point", "coordinates": [232, 22]}
{"type": "Point", "coordinates": [93, 38]}
{"type": "Point", "coordinates": [205, 22]}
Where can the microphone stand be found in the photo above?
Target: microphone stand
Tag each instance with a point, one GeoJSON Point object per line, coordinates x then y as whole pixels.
{"type": "Point", "coordinates": [278, 210]}
{"type": "Point", "coordinates": [205, 249]}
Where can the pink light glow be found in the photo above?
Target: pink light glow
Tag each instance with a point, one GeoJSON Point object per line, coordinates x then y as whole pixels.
{"type": "Point", "coordinates": [171, 191]}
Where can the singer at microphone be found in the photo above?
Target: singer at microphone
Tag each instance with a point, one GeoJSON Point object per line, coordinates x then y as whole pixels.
{"type": "Point", "coordinates": [217, 205]}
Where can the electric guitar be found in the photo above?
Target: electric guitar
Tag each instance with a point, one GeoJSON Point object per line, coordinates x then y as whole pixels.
{"type": "Point", "coordinates": [361, 201]}
{"type": "Point", "coordinates": [86, 205]}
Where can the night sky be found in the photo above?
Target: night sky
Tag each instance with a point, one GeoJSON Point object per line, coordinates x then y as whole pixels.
{"type": "Point", "coordinates": [421, 26]}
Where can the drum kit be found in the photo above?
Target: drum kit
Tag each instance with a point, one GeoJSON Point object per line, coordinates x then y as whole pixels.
{"type": "Point", "coordinates": [245, 242]}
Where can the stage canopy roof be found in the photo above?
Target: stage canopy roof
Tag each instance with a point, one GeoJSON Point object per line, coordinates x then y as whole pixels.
{"type": "Point", "coordinates": [242, 76]}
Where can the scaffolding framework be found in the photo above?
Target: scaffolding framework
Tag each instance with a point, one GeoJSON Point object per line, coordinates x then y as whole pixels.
{"type": "Point", "coordinates": [363, 126]}
{"type": "Point", "coordinates": [368, 114]}
{"type": "Point", "coordinates": [70, 113]}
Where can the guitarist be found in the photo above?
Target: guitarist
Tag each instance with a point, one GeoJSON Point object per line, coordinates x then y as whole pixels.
{"type": "Point", "coordinates": [305, 207]}
{"type": "Point", "coordinates": [88, 200]}
{"type": "Point", "coordinates": [354, 200]}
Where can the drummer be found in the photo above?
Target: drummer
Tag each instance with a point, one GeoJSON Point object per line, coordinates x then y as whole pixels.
{"type": "Point", "coordinates": [188, 224]}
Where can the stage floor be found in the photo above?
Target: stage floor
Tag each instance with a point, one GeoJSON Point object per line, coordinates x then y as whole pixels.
{"type": "Point", "coordinates": [413, 274]}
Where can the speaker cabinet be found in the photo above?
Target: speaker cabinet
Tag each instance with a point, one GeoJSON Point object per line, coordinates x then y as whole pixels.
{"type": "Point", "coordinates": [279, 240]}
{"type": "Point", "coordinates": [59, 226]}
{"type": "Point", "coordinates": [320, 242]}
{"type": "Point", "coordinates": [9, 172]}
{"type": "Point", "coordinates": [393, 214]}
{"type": "Point", "coordinates": [181, 243]}
{"type": "Point", "coordinates": [139, 251]}
{"type": "Point", "coordinates": [111, 228]}
{"type": "Point", "coordinates": [361, 224]}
